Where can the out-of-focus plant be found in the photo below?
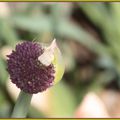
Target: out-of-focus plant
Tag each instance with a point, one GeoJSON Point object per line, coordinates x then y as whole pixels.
{"type": "Point", "coordinates": [92, 63]}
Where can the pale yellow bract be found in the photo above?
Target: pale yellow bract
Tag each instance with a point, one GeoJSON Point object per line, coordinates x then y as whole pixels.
{"type": "Point", "coordinates": [48, 56]}
{"type": "Point", "coordinates": [53, 55]}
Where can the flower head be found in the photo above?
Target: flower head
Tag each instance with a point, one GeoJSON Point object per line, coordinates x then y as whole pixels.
{"type": "Point", "coordinates": [27, 71]}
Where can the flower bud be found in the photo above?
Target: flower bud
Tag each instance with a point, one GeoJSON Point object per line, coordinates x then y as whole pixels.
{"type": "Point", "coordinates": [32, 67]}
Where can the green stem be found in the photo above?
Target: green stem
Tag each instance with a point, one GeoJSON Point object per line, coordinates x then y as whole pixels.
{"type": "Point", "coordinates": [22, 105]}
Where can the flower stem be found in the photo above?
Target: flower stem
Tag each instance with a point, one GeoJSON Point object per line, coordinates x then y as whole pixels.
{"type": "Point", "coordinates": [22, 105]}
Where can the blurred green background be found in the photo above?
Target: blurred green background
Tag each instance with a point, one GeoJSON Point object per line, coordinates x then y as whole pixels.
{"type": "Point", "coordinates": [88, 35]}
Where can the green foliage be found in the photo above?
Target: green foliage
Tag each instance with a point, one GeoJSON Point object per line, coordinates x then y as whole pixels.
{"type": "Point", "coordinates": [62, 104]}
{"type": "Point", "coordinates": [49, 21]}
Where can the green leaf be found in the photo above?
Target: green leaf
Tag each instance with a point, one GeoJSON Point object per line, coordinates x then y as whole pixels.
{"type": "Point", "coordinates": [7, 32]}
{"type": "Point", "coordinates": [62, 101]}
{"type": "Point", "coordinates": [3, 72]}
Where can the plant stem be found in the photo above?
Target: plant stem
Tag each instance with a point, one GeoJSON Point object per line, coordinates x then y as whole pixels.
{"type": "Point", "coordinates": [22, 105]}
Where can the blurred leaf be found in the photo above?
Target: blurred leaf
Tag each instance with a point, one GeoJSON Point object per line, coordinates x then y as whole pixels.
{"type": "Point", "coordinates": [99, 14]}
{"type": "Point", "coordinates": [62, 101]}
{"type": "Point", "coordinates": [33, 24]}
{"type": "Point", "coordinates": [3, 72]}
{"type": "Point", "coordinates": [4, 111]}
{"type": "Point", "coordinates": [68, 57]}
{"type": "Point", "coordinates": [4, 106]}
{"type": "Point", "coordinates": [115, 10]}
{"type": "Point", "coordinates": [68, 29]}
{"type": "Point", "coordinates": [8, 33]}
{"type": "Point", "coordinates": [33, 113]}
{"type": "Point", "coordinates": [96, 12]}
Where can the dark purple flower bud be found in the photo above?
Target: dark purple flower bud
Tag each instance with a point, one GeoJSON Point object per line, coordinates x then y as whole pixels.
{"type": "Point", "coordinates": [26, 71]}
